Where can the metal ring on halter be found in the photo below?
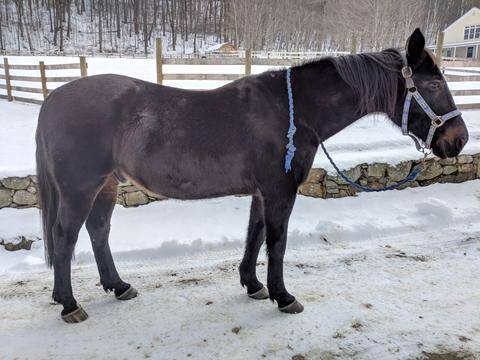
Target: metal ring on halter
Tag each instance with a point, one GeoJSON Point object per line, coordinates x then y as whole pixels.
{"type": "Point", "coordinates": [407, 72]}
{"type": "Point", "coordinates": [437, 122]}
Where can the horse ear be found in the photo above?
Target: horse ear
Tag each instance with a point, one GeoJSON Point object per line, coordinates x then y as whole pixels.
{"type": "Point", "coordinates": [415, 47]}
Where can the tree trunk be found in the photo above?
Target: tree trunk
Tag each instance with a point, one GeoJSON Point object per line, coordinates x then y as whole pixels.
{"type": "Point", "coordinates": [100, 28]}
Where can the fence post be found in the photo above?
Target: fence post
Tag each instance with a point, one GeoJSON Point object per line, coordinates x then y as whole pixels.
{"type": "Point", "coordinates": [43, 78]}
{"type": "Point", "coordinates": [353, 49]}
{"type": "Point", "coordinates": [248, 62]}
{"type": "Point", "coordinates": [158, 52]}
{"type": "Point", "coordinates": [439, 49]}
{"type": "Point", "coordinates": [7, 79]}
{"type": "Point", "coordinates": [83, 66]}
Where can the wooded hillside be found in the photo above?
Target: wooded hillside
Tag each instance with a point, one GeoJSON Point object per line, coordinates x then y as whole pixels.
{"type": "Point", "coordinates": [130, 26]}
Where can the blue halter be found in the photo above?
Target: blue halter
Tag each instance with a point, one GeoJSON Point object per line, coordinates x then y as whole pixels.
{"type": "Point", "coordinates": [437, 121]}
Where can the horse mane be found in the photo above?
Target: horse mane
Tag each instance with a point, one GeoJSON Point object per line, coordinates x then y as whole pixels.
{"type": "Point", "coordinates": [373, 77]}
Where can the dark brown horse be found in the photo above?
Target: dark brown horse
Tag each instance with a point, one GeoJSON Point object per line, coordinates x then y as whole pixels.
{"type": "Point", "coordinates": [202, 144]}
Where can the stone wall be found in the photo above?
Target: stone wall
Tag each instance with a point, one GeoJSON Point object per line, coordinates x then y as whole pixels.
{"type": "Point", "coordinates": [20, 192]}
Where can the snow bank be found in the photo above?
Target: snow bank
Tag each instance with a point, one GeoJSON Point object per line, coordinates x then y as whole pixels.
{"type": "Point", "coordinates": [172, 228]}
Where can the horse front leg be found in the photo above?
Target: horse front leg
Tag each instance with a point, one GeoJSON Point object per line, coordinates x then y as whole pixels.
{"type": "Point", "coordinates": [278, 208]}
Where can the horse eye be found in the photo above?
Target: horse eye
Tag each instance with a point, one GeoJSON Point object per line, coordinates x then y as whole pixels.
{"type": "Point", "coordinates": [434, 86]}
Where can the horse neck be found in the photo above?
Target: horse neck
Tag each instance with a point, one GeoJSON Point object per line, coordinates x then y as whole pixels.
{"type": "Point", "coordinates": [324, 102]}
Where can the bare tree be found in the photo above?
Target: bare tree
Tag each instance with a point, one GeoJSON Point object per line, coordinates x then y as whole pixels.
{"type": "Point", "coordinates": [129, 25]}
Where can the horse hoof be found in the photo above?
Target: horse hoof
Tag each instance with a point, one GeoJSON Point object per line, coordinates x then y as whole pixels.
{"type": "Point", "coordinates": [261, 294]}
{"type": "Point", "coordinates": [76, 316]}
{"type": "Point", "coordinates": [128, 294]}
{"type": "Point", "coordinates": [293, 308]}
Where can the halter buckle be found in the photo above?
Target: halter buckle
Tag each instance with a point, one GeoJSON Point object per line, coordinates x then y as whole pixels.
{"type": "Point", "coordinates": [407, 72]}
{"type": "Point", "coordinates": [437, 122]}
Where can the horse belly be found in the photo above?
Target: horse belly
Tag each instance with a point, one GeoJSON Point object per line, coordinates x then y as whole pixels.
{"type": "Point", "coordinates": [194, 179]}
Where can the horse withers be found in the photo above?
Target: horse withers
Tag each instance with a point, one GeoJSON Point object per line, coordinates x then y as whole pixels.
{"type": "Point", "coordinates": [202, 144]}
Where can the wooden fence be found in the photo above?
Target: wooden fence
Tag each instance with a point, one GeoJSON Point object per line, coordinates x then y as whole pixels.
{"type": "Point", "coordinates": [247, 61]}
{"type": "Point", "coordinates": [245, 58]}
{"type": "Point", "coordinates": [253, 58]}
{"type": "Point", "coordinates": [465, 92]}
{"type": "Point", "coordinates": [43, 79]}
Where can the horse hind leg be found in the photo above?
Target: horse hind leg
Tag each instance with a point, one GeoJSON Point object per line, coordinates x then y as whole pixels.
{"type": "Point", "coordinates": [255, 239]}
{"type": "Point", "coordinates": [98, 227]}
{"type": "Point", "coordinates": [73, 209]}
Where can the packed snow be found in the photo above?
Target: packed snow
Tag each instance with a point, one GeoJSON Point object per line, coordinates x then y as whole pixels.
{"type": "Point", "coordinates": [371, 139]}
{"type": "Point", "coordinates": [382, 276]}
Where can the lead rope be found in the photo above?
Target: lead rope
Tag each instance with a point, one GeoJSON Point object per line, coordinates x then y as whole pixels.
{"type": "Point", "coordinates": [291, 128]}
{"type": "Point", "coordinates": [412, 176]}
{"type": "Point", "coordinates": [291, 151]}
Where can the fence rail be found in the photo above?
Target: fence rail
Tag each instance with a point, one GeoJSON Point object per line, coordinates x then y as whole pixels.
{"type": "Point", "coordinates": [43, 79]}
{"type": "Point", "coordinates": [459, 78]}
{"type": "Point", "coordinates": [471, 92]}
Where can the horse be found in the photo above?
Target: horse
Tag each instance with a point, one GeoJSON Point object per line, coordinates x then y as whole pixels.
{"type": "Point", "coordinates": [97, 131]}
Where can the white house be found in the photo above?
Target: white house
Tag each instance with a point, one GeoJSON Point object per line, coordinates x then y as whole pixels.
{"type": "Point", "coordinates": [462, 37]}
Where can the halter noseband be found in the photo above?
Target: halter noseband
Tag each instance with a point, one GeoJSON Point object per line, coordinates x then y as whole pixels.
{"type": "Point", "coordinates": [437, 121]}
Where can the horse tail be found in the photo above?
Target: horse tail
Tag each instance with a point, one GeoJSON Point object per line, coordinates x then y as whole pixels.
{"type": "Point", "coordinates": [48, 198]}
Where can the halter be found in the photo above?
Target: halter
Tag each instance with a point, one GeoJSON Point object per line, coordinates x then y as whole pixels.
{"type": "Point", "coordinates": [437, 120]}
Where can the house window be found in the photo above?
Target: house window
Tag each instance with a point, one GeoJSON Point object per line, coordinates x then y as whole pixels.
{"type": "Point", "coordinates": [470, 52]}
{"type": "Point", "coordinates": [448, 53]}
{"type": "Point", "coordinates": [471, 32]}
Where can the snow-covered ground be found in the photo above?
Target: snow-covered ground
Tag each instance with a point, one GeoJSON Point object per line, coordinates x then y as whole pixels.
{"type": "Point", "coordinates": [382, 276]}
{"type": "Point", "coordinates": [371, 139]}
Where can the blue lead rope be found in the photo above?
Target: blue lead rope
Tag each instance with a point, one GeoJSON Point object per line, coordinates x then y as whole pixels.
{"type": "Point", "coordinates": [412, 176]}
{"type": "Point", "coordinates": [291, 129]}
{"type": "Point", "coordinates": [291, 151]}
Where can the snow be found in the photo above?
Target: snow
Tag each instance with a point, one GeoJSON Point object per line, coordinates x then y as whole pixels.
{"type": "Point", "coordinates": [382, 276]}
{"type": "Point", "coordinates": [18, 122]}
{"type": "Point", "coordinates": [464, 85]}
{"type": "Point", "coordinates": [371, 139]}
{"type": "Point", "coordinates": [469, 99]}
{"type": "Point", "coordinates": [459, 72]}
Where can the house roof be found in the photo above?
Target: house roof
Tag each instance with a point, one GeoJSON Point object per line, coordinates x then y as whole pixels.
{"type": "Point", "coordinates": [461, 17]}
{"type": "Point", "coordinates": [217, 46]}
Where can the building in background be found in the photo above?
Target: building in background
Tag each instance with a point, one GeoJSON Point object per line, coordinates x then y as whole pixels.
{"type": "Point", "coordinates": [462, 37]}
{"type": "Point", "coordinates": [223, 48]}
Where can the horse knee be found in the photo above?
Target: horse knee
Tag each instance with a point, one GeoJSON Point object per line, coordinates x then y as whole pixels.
{"type": "Point", "coordinates": [65, 237]}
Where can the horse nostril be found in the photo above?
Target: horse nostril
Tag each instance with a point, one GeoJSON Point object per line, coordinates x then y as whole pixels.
{"type": "Point", "coordinates": [460, 143]}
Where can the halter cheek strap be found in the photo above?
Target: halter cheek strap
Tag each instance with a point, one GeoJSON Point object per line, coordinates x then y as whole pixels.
{"type": "Point", "coordinates": [437, 120]}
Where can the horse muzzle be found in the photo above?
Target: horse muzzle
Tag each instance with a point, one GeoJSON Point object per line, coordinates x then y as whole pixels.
{"type": "Point", "coordinates": [451, 140]}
